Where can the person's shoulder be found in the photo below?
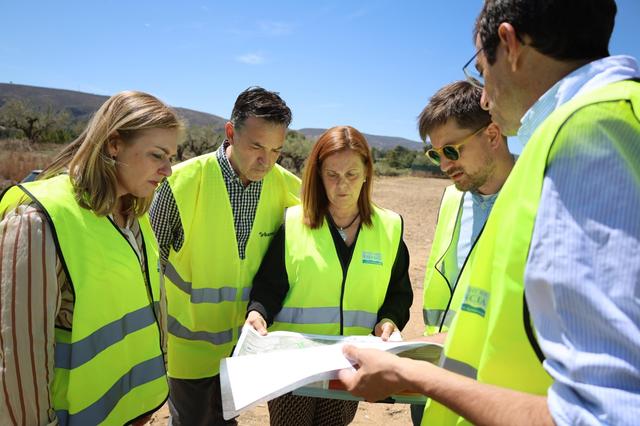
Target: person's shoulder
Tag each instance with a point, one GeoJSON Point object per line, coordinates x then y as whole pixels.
{"type": "Point", "coordinates": [277, 168]}
{"type": "Point", "coordinates": [26, 212]}
{"type": "Point", "coordinates": [600, 124]}
{"type": "Point", "coordinates": [195, 162]}
{"type": "Point", "coordinates": [386, 213]}
{"type": "Point", "coordinates": [284, 178]}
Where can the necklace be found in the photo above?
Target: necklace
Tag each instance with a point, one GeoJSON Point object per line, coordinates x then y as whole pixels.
{"type": "Point", "coordinates": [342, 229]}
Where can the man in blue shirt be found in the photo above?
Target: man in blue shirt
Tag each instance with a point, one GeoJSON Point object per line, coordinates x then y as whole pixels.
{"type": "Point", "coordinates": [582, 274]}
{"type": "Point", "coordinates": [471, 150]}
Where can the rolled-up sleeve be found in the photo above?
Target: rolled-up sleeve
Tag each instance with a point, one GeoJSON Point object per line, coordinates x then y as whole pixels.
{"type": "Point", "coordinates": [583, 272]}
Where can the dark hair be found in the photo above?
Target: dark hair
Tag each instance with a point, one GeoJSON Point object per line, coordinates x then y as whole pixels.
{"type": "Point", "coordinates": [459, 101]}
{"type": "Point", "coordinates": [261, 103]}
{"type": "Point", "coordinates": [562, 29]}
{"type": "Point", "coordinates": [315, 203]}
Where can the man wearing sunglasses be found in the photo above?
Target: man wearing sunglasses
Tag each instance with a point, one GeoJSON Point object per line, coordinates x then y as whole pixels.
{"type": "Point", "coordinates": [564, 232]}
{"type": "Point", "coordinates": [471, 150]}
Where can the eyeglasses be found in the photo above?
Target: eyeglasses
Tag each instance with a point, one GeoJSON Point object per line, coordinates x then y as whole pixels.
{"type": "Point", "coordinates": [451, 151]}
{"type": "Point", "coordinates": [471, 72]}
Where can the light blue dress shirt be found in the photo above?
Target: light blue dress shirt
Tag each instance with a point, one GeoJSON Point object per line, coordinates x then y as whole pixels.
{"type": "Point", "coordinates": [582, 277]}
{"type": "Point", "coordinates": [475, 211]}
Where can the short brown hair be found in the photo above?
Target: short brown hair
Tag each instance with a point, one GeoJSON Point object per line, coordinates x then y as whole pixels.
{"type": "Point", "coordinates": [459, 101]}
{"type": "Point", "coordinates": [260, 103]}
{"type": "Point", "coordinates": [315, 203]}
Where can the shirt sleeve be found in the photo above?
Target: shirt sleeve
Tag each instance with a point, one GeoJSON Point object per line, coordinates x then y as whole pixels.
{"type": "Point", "coordinates": [165, 221]}
{"type": "Point", "coordinates": [397, 301]}
{"type": "Point", "coordinates": [29, 302]}
{"type": "Point", "coordinates": [271, 282]}
{"type": "Point", "coordinates": [583, 272]}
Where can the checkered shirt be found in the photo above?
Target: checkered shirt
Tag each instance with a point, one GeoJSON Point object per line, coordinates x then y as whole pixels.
{"type": "Point", "coordinates": [165, 217]}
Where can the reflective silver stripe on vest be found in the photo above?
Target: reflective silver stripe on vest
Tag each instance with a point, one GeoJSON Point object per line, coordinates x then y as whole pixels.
{"type": "Point", "coordinates": [202, 295]}
{"type": "Point", "coordinates": [459, 367]}
{"type": "Point", "coordinates": [245, 294]}
{"type": "Point", "coordinates": [360, 319]}
{"type": "Point", "coordinates": [183, 332]}
{"type": "Point", "coordinates": [309, 315]}
{"type": "Point", "coordinates": [433, 317]}
{"type": "Point", "coordinates": [73, 355]}
{"type": "Point", "coordinates": [448, 319]}
{"type": "Point", "coordinates": [97, 412]}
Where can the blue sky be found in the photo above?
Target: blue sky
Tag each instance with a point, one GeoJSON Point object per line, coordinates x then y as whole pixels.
{"type": "Point", "coordinates": [370, 64]}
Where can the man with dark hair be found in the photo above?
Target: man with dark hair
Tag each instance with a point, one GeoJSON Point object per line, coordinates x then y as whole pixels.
{"type": "Point", "coordinates": [214, 219]}
{"type": "Point", "coordinates": [471, 150]}
{"type": "Point", "coordinates": [564, 232]}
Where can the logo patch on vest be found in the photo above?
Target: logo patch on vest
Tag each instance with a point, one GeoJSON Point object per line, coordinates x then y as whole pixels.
{"type": "Point", "coordinates": [371, 258]}
{"type": "Point", "coordinates": [475, 301]}
{"type": "Point", "coordinates": [267, 234]}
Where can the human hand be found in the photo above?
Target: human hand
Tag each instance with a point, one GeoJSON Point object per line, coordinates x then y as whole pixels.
{"type": "Point", "coordinates": [377, 373]}
{"type": "Point", "coordinates": [257, 322]}
{"type": "Point", "coordinates": [384, 328]}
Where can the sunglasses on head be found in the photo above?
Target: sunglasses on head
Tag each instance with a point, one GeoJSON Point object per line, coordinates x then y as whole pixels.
{"type": "Point", "coordinates": [451, 151]}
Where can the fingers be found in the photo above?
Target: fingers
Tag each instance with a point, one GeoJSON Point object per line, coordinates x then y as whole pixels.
{"type": "Point", "coordinates": [387, 329]}
{"type": "Point", "coordinates": [384, 329]}
{"type": "Point", "coordinates": [348, 378]}
{"type": "Point", "coordinates": [351, 353]}
{"type": "Point", "coordinates": [257, 322]}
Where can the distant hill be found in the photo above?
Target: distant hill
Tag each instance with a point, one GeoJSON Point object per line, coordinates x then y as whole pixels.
{"type": "Point", "coordinates": [81, 105]}
{"type": "Point", "coordinates": [380, 142]}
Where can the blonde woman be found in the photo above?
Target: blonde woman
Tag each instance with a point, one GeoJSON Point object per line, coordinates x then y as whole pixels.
{"type": "Point", "coordinates": [81, 334]}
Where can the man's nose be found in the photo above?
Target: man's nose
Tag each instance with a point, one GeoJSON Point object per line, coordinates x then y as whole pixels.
{"type": "Point", "coordinates": [445, 164]}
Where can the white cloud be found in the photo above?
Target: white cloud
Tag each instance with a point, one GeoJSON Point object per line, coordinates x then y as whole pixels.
{"type": "Point", "coordinates": [251, 58]}
{"type": "Point", "coordinates": [275, 28]}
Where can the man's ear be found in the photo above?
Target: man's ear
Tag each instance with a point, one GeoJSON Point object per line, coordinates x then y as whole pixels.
{"type": "Point", "coordinates": [510, 42]}
{"type": "Point", "coordinates": [495, 135]}
{"type": "Point", "coordinates": [229, 131]}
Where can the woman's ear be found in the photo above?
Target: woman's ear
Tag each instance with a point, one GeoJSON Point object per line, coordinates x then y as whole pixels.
{"type": "Point", "coordinates": [113, 144]}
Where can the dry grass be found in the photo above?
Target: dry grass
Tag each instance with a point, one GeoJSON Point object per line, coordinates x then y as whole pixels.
{"type": "Point", "coordinates": [18, 158]}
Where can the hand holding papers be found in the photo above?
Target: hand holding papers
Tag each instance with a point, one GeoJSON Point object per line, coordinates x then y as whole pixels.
{"type": "Point", "coordinates": [265, 367]}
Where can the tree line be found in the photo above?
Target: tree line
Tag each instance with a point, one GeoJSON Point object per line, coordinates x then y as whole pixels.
{"type": "Point", "coordinates": [19, 119]}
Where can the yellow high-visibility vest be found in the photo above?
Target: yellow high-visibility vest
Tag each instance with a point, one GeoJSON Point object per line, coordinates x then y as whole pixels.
{"type": "Point", "coordinates": [208, 284]}
{"type": "Point", "coordinates": [320, 300]}
{"type": "Point", "coordinates": [442, 264]}
{"type": "Point", "coordinates": [109, 367]}
{"type": "Point", "coordinates": [491, 338]}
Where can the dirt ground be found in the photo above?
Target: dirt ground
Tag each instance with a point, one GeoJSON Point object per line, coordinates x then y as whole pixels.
{"type": "Point", "coordinates": [417, 200]}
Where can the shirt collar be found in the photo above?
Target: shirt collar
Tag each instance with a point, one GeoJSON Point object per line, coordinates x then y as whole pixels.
{"type": "Point", "coordinates": [227, 170]}
{"type": "Point", "coordinates": [589, 77]}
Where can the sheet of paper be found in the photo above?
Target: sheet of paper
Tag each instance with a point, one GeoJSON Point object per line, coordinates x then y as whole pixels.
{"type": "Point", "coordinates": [265, 367]}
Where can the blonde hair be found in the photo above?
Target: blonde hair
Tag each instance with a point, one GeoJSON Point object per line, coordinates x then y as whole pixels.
{"type": "Point", "coordinates": [91, 168]}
